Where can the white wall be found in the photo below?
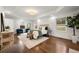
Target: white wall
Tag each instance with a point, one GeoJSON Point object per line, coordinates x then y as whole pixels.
{"type": "Point", "coordinates": [55, 32]}
{"type": "Point", "coordinates": [52, 26]}
{"type": "Point", "coordinates": [50, 22]}
{"type": "Point", "coordinates": [15, 23]}
{"type": "Point", "coordinates": [9, 22]}
{"type": "Point", "coordinates": [22, 22]}
{"type": "Point", "coordinates": [63, 34]}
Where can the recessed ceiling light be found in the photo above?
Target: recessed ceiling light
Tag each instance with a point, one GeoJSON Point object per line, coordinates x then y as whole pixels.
{"type": "Point", "coordinates": [53, 17]}
{"type": "Point", "coordinates": [31, 11]}
{"type": "Point", "coordinates": [38, 20]}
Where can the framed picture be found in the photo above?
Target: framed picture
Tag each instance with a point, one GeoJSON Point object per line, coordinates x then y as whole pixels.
{"type": "Point", "coordinates": [61, 24]}
{"type": "Point", "coordinates": [28, 25]}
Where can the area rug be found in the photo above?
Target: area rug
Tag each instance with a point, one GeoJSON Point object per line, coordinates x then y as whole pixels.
{"type": "Point", "coordinates": [32, 43]}
{"type": "Point", "coordinates": [73, 51]}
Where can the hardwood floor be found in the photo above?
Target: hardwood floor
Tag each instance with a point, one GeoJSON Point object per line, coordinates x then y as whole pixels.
{"type": "Point", "coordinates": [52, 45]}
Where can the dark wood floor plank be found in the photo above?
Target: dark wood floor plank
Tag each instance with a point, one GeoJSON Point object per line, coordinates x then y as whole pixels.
{"type": "Point", "coordinates": [52, 45]}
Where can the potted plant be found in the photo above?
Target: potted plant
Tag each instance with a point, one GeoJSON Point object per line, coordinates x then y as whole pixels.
{"type": "Point", "coordinates": [7, 28]}
{"type": "Point", "coordinates": [73, 22]}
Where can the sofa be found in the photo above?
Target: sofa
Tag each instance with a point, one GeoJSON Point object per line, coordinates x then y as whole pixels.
{"type": "Point", "coordinates": [20, 31]}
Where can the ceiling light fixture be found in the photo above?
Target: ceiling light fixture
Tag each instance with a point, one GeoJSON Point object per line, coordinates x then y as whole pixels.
{"type": "Point", "coordinates": [32, 11]}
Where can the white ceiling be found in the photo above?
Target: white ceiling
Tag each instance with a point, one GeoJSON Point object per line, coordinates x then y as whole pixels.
{"type": "Point", "coordinates": [43, 11]}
